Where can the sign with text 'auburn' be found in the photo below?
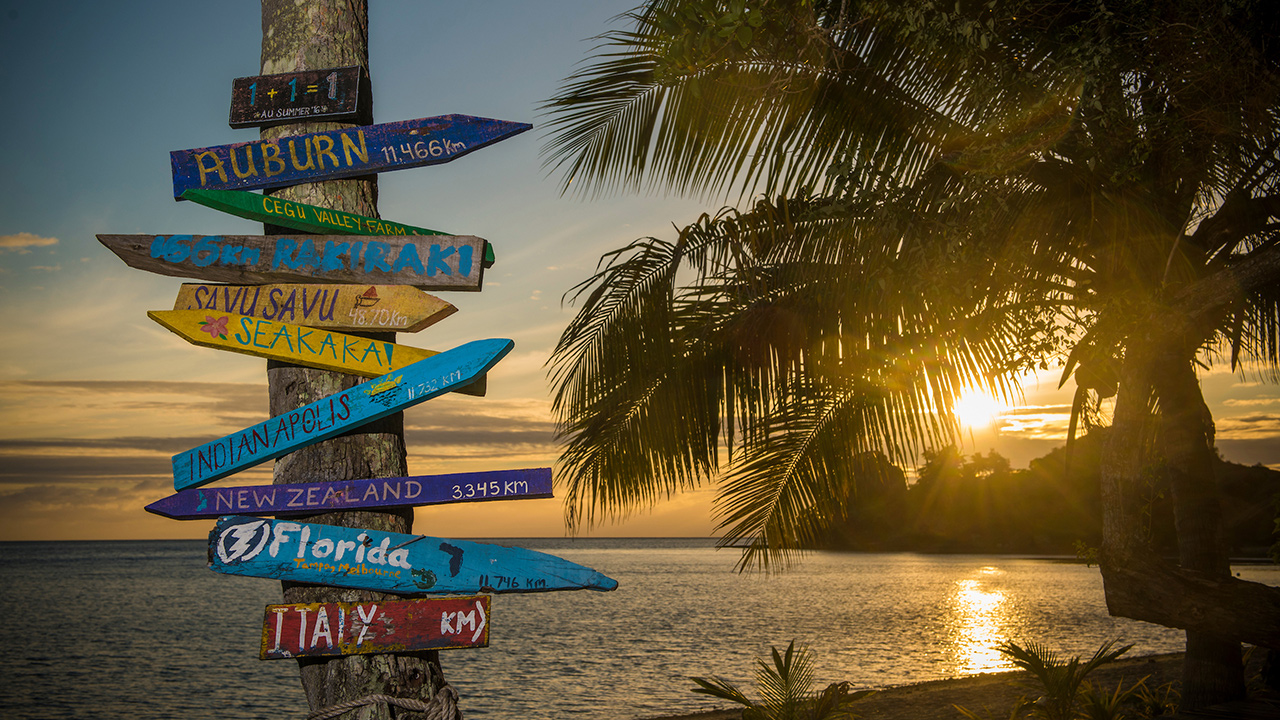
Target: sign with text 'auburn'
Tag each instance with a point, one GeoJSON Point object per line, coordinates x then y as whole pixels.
{"type": "Point", "coordinates": [387, 562]}
{"type": "Point", "coordinates": [395, 308]}
{"type": "Point", "coordinates": [386, 626]}
{"type": "Point", "coordinates": [429, 262]}
{"type": "Point", "coordinates": [336, 153]}
{"type": "Point", "coordinates": [318, 497]}
{"type": "Point", "coordinates": [334, 415]}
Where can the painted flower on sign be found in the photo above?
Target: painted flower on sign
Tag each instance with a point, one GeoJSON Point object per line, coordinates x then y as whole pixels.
{"type": "Point", "coordinates": [215, 328]}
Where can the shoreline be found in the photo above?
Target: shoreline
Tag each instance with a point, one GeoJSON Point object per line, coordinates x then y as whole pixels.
{"type": "Point", "coordinates": [988, 694]}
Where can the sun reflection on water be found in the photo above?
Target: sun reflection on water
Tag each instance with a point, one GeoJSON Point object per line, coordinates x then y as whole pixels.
{"type": "Point", "coordinates": [979, 621]}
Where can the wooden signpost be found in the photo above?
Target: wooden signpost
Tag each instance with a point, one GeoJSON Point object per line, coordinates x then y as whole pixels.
{"type": "Point", "coordinates": [368, 268]}
{"type": "Point", "coordinates": [429, 262]}
{"type": "Point", "coordinates": [336, 153]}
{"type": "Point", "coordinates": [306, 218]}
{"type": "Point", "coordinates": [397, 308]}
{"type": "Point", "coordinates": [312, 498]}
{"type": "Point", "coordinates": [363, 628]}
{"type": "Point", "coordinates": [335, 94]}
{"type": "Point", "coordinates": [387, 562]}
{"type": "Point", "coordinates": [334, 415]}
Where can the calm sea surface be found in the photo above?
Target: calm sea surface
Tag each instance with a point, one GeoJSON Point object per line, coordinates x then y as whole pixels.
{"type": "Point", "coordinates": [144, 630]}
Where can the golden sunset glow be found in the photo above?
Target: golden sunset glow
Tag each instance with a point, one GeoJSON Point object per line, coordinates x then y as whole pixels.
{"type": "Point", "coordinates": [975, 409]}
{"type": "Point", "coordinates": [978, 624]}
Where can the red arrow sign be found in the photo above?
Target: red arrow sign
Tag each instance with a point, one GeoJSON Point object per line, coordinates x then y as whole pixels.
{"type": "Point", "coordinates": [362, 628]}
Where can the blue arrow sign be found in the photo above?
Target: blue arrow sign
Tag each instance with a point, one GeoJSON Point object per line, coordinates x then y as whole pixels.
{"type": "Point", "coordinates": [335, 153]}
{"type": "Point", "coordinates": [337, 413]}
{"type": "Point", "coordinates": [387, 562]}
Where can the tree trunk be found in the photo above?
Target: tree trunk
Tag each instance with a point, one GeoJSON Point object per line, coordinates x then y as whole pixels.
{"type": "Point", "coordinates": [1138, 584]}
{"type": "Point", "coordinates": [312, 35]}
{"type": "Point", "coordinates": [1213, 671]}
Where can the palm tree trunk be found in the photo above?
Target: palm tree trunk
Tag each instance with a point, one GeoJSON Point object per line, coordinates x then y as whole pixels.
{"type": "Point", "coordinates": [318, 34]}
{"type": "Point", "coordinates": [1213, 671]}
{"type": "Point", "coordinates": [1139, 584]}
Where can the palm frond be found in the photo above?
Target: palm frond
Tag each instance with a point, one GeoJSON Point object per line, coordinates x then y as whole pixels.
{"type": "Point", "coordinates": [765, 117]}
{"type": "Point", "coordinates": [1061, 680]}
{"type": "Point", "coordinates": [785, 686]}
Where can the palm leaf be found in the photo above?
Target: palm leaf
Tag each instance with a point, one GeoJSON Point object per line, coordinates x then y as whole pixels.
{"type": "Point", "coordinates": [773, 116]}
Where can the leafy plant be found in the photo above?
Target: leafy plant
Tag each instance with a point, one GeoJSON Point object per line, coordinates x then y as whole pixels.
{"type": "Point", "coordinates": [1156, 702]}
{"type": "Point", "coordinates": [786, 690]}
{"type": "Point", "coordinates": [1062, 681]}
{"type": "Point", "coordinates": [1086, 554]}
{"type": "Point", "coordinates": [1098, 704]}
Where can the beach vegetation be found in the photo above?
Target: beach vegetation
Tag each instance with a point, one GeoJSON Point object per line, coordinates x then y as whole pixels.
{"type": "Point", "coordinates": [1067, 694]}
{"type": "Point", "coordinates": [786, 690]}
{"type": "Point", "coordinates": [1063, 683]}
{"type": "Point", "coordinates": [1153, 702]}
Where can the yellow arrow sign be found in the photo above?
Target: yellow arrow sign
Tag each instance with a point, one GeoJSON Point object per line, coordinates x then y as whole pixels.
{"type": "Point", "coordinates": [312, 347]}
{"type": "Point", "coordinates": [336, 307]}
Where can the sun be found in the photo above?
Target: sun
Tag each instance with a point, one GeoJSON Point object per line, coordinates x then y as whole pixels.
{"type": "Point", "coordinates": [976, 409]}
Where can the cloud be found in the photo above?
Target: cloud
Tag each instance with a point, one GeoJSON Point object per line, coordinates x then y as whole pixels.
{"type": "Point", "coordinates": [59, 446]}
{"type": "Point", "coordinates": [23, 242]}
{"type": "Point", "coordinates": [1037, 410]}
{"type": "Point", "coordinates": [1256, 451]}
{"type": "Point", "coordinates": [96, 408]}
{"type": "Point", "coordinates": [47, 268]}
{"type": "Point", "coordinates": [61, 469]}
{"type": "Point", "coordinates": [1248, 427]}
{"type": "Point", "coordinates": [1247, 402]}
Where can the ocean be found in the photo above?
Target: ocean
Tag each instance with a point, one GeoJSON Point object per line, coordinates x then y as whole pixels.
{"type": "Point", "coordinates": [143, 629]}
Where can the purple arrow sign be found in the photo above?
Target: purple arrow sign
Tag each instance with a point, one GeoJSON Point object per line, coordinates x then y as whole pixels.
{"type": "Point", "coordinates": [335, 153]}
{"type": "Point", "coordinates": [347, 494]}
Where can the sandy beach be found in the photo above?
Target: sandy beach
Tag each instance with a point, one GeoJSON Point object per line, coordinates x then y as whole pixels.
{"type": "Point", "coordinates": [991, 695]}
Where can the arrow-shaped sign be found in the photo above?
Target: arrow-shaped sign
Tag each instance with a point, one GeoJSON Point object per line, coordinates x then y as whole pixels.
{"type": "Point", "coordinates": [306, 218]}
{"type": "Point", "coordinates": [335, 153]}
{"type": "Point", "coordinates": [430, 262]}
{"type": "Point", "coordinates": [312, 347]}
{"type": "Point", "coordinates": [385, 626]}
{"type": "Point", "coordinates": [337, 413]}
{"type": "Point", "coordinates": [396, 308]}
{"type": "Point", "coordinates": [311, 498]}
{"type": "Point", "coordinates": [387, 562]}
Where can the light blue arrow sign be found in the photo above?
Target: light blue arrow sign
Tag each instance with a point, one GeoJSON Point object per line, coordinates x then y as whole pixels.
{"type": "Point", "coordinates": [387, 562]}
{"type": "Point", "coordinates": [337, 413]}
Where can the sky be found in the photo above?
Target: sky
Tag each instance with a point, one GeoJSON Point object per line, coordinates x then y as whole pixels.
{"type": "Point", "coordinates": [95, 398]}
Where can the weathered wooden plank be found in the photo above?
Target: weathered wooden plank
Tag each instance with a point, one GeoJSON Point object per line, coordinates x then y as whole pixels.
{"type": "Point", "coordinates": [365, 628]}
{"type": "Point", "coordinates": [310, 347]}
{"type": "Point", "coordinates": [396, 308]}
{"type": "Point", "coordinates": [387, 562]}
{"type": "Point", "coordinates": [429, 262]}
{"type": "Point", "coordinates": [348, 152]}
{"type": "Point", "coordinates": [334, 94]}
{"type": "Point", "coordinates": [333, 415]}
{"type": "Point", "coordinates": [306, 218]}
{"type": "Point", "coordinates": [297, 344]}
{"type": "Point", "coordinates": [311, 498]}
